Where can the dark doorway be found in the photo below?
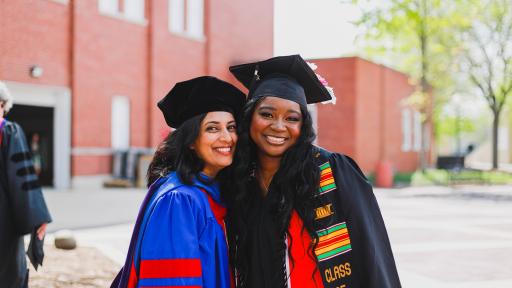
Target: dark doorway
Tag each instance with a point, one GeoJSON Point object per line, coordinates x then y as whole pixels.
{"type": "Point", "coordinates": [37, 122]}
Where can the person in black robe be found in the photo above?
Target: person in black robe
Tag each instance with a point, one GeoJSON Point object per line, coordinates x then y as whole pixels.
{"type": "Point", "coordinates": [298, 215]}
{"type": "Point", "coordinates": [22, 206]}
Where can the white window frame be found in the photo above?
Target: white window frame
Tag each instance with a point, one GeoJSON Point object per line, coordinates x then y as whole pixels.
{"type": "Point", "coordinates": [186, 18]}
{"type": "Point", "coordinates": [58, 98]}
{"type": "Point", "coordinates": [134, 9]}
{"type": "Point", "coordinates": [417, 131]}
{"type": "Point", "coordinates": [406, 130]}
{"type": "Point", "coordinates": [195, 18]}
{"type": "Point", "coordinates": [120, 123]}
{"type": "Point", "coordinates": [176, 14]}
{"type": "Point", "coordinates": [108, 6]}
{"type": "Point", "coordinates": [111, 8]}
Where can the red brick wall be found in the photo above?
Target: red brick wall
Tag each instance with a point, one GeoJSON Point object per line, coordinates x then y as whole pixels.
{"type": "Point", "coordinates": [230, 27]}
{"type": "Point", "coordinates": [370, 110]}
{"type": "Point", "coordinates": [110, 59]}
{"type": "Point", "coordinates": [99, 56]}
{"type": "Point", "coordinates": [91, 165]}
{"type": "Point", "coordinates": [173, 58]}
{"type": "Point", "coordinates": [35, 32]}
{"type": "Point", "coordinates": [238, 31]}
{"type": "Point", "coordinates": [366, 122]}
{"type": "Point", "coordinates": [396, 89]}
{"type": "Point", "coordinates": [336, 123]}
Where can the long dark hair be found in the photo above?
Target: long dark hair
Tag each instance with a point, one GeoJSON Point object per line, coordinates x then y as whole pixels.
{"type": "Point", "coordinates": [296, 181]}
{"type": "Point", "coordinates": [174, 153]}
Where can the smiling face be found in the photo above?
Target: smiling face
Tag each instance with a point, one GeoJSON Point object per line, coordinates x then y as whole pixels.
{"type": "Point", "coordinates": [215, 144]}
{"type": "Point", "coordinates": [275, 126]}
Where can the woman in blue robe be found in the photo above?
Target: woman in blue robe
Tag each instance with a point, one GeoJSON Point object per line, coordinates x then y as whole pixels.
{"type": "Point", "coordinates": [179, 236]}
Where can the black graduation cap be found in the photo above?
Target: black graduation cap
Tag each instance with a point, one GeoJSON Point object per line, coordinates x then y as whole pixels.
{"type": "Point", "coordinates": [287, 77]}
{"type": "Point", "coordinates": [197, 96]}
{"type": "Point", "coordinates": [35, 250]}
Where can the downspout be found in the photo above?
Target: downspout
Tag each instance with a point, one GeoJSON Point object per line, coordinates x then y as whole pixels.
{"type": "Point", "coordinates": [72, 81]}
{"type": "Point", "coordinates": [207, 34]}
{"type": "Point", "coordinates": [149, 102]}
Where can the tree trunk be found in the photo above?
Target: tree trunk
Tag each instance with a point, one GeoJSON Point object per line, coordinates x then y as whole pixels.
{"type": "Point", "coordinates": [424, 86]}
{"type": "Point", "coordinates": [495, 126]}
{"type": "Point", "coordinates": [423, 148]}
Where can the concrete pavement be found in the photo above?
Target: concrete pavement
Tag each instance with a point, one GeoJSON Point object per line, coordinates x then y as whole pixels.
{"type": "Point", "coordinates": [88, 207]}
{"type": "Point", "coordinates": [100, 218]}
{"type": "Point", "coordinates": [442, 237]}
{"type": "Point", "coordinates": [451, 237]}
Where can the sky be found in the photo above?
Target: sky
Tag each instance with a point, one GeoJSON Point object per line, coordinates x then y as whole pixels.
{"type": "Point", "coordinates": [314, 28]}
{"type": "Point", "coordinates": [323, 29]}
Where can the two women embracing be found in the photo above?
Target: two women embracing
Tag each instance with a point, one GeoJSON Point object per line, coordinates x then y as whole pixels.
{"type": "Point", "coordinates": [240, 197]}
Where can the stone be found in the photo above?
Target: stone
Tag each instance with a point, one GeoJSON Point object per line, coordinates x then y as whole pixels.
{"type": "Point", "coordinates": [64, 239]}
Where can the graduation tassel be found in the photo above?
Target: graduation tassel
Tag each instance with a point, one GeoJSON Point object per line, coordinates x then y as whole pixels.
{"type": "Point", "coordinates": [255, 78]}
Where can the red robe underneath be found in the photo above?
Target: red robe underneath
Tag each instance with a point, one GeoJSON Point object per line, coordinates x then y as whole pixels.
{"type": "Point", "coordinates": [302, 270]}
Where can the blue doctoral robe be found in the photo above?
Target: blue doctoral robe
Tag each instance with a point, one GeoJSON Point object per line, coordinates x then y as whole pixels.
{"type": "Point", "coordinates": [178, 239]}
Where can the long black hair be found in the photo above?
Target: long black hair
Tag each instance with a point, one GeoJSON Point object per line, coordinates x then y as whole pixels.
{"type": "Point", "coordinates": [295, 181]}
{"type": "Point", "coordinates": [174, 153]}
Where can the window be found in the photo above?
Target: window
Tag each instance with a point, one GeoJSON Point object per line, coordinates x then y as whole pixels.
{"type": "Point", "coordinates": [176, 16]}
{"type": "Point", "coordinates": [109, 6]}
{"type": "Point", "coordinates": [132, 9]}
{"type": "Point", "coordinates": [120, 129]}
{"type": "Point", "coordinates": [417, 131]}
{"type": "Point", "coordinates": [411, 130]}
{"type": "Point", "coordinates": [406, 130]}
{"type": "Point", "coordinates": [186, 17]}
{"type": "Point", "coordinates": [195, 16]}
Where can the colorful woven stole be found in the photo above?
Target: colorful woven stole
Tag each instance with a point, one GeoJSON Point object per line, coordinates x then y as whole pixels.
{"type": "Point", "coordinates": [334, 249]}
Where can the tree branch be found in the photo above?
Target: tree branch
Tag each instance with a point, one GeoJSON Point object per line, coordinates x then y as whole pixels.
{"type": "Point", "coordinates": [487, 94]}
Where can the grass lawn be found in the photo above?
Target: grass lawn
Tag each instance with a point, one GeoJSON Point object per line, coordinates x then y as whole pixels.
{"type": "Point", "coordinates": [445, 177]}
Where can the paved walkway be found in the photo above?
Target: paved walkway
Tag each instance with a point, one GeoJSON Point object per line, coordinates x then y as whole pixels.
{"type": "Point", "coordinates": [453, 238]}
{"type": "Point", "coordinates": [442, 237]}
{"type": "Point", "coordinates": [88, 208]}
{"type": "Point", "coordinates": [101, 218]}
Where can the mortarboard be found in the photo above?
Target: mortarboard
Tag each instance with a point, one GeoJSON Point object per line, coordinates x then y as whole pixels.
{"type": "Point", "coordinates": [197, 96]}
{"type": "Point", "coordinates": [35, 250]}
{"type": "Point", "coordinates": [287, 77]}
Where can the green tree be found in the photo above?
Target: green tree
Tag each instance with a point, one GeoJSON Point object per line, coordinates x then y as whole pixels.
{"type": "Point", "coordinates": [487, 58]}
{"type": "Point", "coordinates": [453, 125]}
{"type": "Point", "coordinates": [416, 36]}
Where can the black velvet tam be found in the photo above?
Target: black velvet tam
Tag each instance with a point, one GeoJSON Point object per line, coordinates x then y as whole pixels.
{"type": "Point", "coordinates": [197, 96]}
{"type": "Point", "coordinates": [287, 77]}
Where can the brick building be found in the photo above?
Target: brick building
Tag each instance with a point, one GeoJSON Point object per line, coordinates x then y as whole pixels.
{"type": "Point", "coordinates": [370, 121]}
{"type": "Point", "coordinates": [86, 74]}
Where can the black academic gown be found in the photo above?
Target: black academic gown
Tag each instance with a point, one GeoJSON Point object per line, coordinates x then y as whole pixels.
{"type": "Point", "coordinates": [353, 250]}
{"type": "Point", "coordinates": [22, 206]}
{"type": "Point", "coordinates": [352, 202]}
